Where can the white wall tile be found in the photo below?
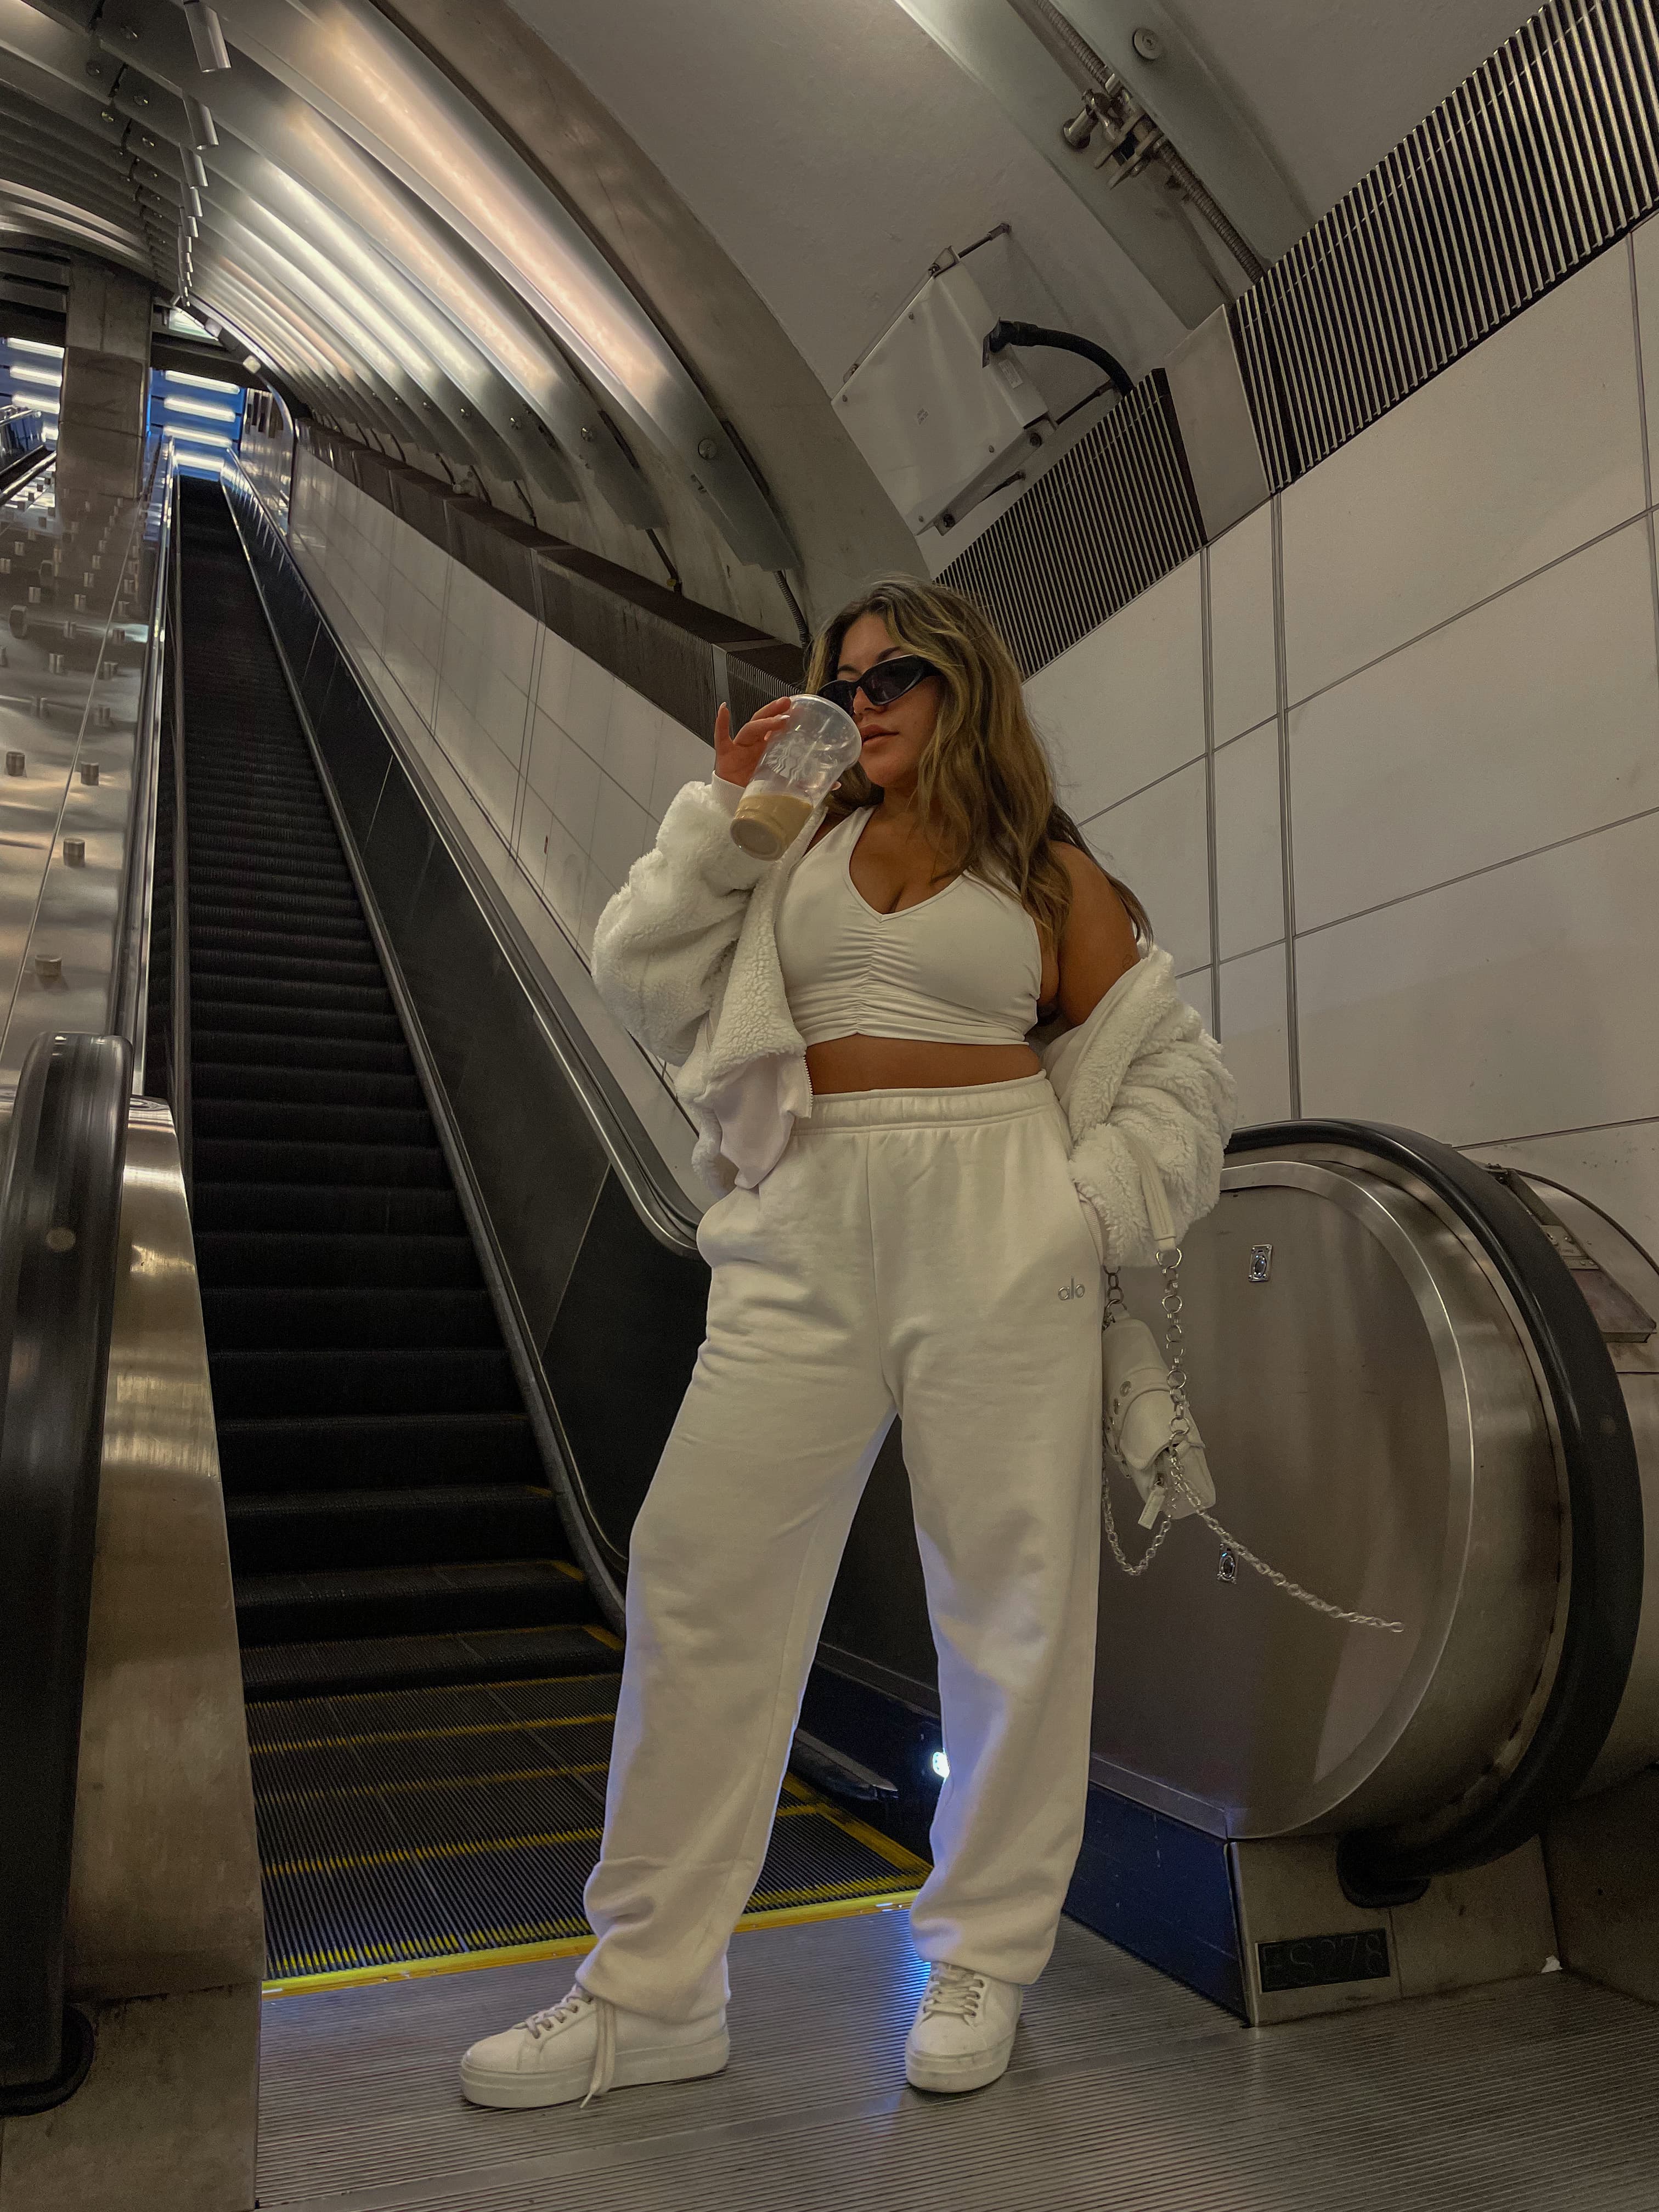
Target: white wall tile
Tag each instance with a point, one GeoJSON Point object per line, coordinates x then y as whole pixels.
{"type": "Point", "coordinates": [1156, 842]}
{"type": "Point", "coordinates": [533, 837]}
{"type": "Point", "coordinates": [545, 756]}
{"type": "Point", "coordinates": [576, 794]}
{"type": "Point", "coordinates": [1126, 704]}
{"type": "Point", "coordinates": [508, 634]}
{"type": "Point", "coordinates": [1644, 248]}
{"type": "Point", "coordinates": [621, 831]}
{"type": "Point", "coordinates": [1194, 989]}
{"type": "Point", "coordinates": [1518, 999]}
{"type": "Point", "coordinates": [1617, 1167]}
{"type": "Point", "coordinates": [681, 759]}
{"type": "Point", "coordinates": [1248, 849]}
{"type": "Point", "coordinates": [588, 713]}
{"type": "Point", "coordinates": [630, 743]}
{"type": "Point", "coordinates": [1254, 1036]}
{"type": "Point", "coordinates": [1534, 718]}
{"type": "Point", "coordinates": [566, 876]}
{"type": "Point", "coordinates": [553, 677]}
{"type": "Point", "coordinates": [1243, 682]}
{"type": "Point", "coordinates": [502, 709]}
{"type": "Point", "coordinates": [1524, 449]}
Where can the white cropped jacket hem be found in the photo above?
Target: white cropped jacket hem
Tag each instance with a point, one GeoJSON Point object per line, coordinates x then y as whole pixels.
{"type": "Point", "coordinates": [685, 956]}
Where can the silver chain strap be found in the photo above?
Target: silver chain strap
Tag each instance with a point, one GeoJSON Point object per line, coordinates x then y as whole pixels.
{"type": "Point", "coordinates": [1170, 1465]}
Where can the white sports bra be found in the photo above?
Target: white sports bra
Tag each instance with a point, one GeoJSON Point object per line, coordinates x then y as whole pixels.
{"type": "Point", "coordinates": [961, 967]}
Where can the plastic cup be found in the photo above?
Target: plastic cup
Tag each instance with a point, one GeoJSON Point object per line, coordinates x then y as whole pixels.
{"type": "Point", "coordinates": [813, 748]}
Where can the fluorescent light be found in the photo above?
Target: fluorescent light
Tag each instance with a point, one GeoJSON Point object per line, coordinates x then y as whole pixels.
{"type": "Point", "coordinates": [201, 383]}
{"type": "Point", "coordinates": [34, 345]}
{"type": "Point", "coordinates": [941, 1766]}
{"type": "Point", "coordinates": [53, 377]}
{"type": "Point", "coordinates": [36, 400]}
{"type": "Point", "coordinates": [202, 410]}
{"type": "Point", "coordinates": [201, 437]}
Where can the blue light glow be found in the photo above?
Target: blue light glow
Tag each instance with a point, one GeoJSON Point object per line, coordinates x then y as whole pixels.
{"type": "Point", "coordinates": [941, 1766]}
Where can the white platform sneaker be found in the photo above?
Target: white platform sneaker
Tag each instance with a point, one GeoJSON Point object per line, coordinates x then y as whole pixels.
{"type": "Point", "coordinates": [963, 2030]}
{"type": "Point", "coordinates": [582, 2046]}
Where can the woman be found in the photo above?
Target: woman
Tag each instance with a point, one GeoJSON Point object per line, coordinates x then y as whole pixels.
{"type": "Point", "coordinates": [908, 1221]}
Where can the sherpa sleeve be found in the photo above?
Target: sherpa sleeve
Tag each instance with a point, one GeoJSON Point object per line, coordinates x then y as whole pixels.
{"type": "Point", "coordinates": [1177, 1099]}
{"type": "Point", "coordinates": [662, 945]}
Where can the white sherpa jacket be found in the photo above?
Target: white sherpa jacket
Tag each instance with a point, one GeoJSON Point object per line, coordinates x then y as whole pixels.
{"type": "Point", "coordinates": [686, 957]}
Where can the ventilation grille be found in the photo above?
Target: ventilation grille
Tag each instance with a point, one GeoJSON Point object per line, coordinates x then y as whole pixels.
{"type": "Point", "coordinates": [1545, 155]}
{"type": "Point", "coordinates": [1107, 520]}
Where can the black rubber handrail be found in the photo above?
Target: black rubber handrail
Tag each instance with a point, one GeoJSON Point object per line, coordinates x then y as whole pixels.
{"type": "Point", "coordinates": [1604, 1499]}
{"type": "Point", "coordinates": [60, 1212]}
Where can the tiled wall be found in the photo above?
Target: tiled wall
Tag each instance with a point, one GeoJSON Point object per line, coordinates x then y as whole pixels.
{"type": "Point", "coordinates": [1404, 719]}
{"type": "Point", "coordinates": [1408, 716]}
{"type": "Point", "coordinates": [558, 773]}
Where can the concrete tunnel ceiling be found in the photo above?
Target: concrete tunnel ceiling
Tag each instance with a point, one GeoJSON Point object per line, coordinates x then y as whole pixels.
{"type": "Point", "coordinates": [609, 265]}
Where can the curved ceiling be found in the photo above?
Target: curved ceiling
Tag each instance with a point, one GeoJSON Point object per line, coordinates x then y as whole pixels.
{"type": "Point", "coordinates": [613, 261]}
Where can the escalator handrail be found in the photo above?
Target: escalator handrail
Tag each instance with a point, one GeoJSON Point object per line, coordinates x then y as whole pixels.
{"type": "Point", "coordinates": [129, 988]}
{"type": "Point", "coordinates": [1604, 1498]}
{"type": "Point", "coordinates": [60, 1212]}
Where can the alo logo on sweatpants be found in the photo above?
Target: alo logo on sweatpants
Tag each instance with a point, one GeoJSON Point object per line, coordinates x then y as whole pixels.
{"type": "Point", "coordinates": [1075, 1291]}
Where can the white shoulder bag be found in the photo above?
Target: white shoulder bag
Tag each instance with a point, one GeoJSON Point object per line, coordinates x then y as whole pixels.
{"type": "Point", "coordinates": [1148, 1426]}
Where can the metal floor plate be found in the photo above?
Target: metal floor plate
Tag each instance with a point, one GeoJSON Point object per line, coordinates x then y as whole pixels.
{"type": "Point", "coordinates": [1126, 2094]}
{"type": "Point", "coordinates": [399, 1826]}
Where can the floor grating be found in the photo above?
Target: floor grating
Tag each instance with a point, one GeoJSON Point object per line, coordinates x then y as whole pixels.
{"type": "Point", "coordinates": [401, 1829]}
{"type": "Point", "coordinates": [1126, 2094]}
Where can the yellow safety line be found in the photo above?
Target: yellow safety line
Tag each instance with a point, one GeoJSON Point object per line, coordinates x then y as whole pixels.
{"type": "Point", "coordinates": [883, 1846]}
{"type": "Point", "coordinates": [516, 1682]}
{"type": "Point", "coordinates": [570, 1947]}
{"type": "Point", "coordinates": [423, 1736]}
{"type": "Point", "coordinates": [416, 1854]}
{"type": "Point", "coordinates": [433, 1781]}
{"type": "Point", "coordinates": [605, 1636]}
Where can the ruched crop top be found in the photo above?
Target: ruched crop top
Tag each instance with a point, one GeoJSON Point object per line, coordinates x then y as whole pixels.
{"type": "Point", "coordinates": [963, 966]}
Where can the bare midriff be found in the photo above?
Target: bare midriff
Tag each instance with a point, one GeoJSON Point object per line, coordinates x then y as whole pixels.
{"type": "Point", "coordinates": [867, 1063]}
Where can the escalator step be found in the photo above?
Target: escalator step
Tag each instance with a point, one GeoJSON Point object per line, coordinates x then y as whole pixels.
{"type": "Point", "coordinates": [254, 1046]}
{"type": "Point", "coordinates": [287, 1532]}
{"type": "Point", "coordinates": [216, 1080]}
{"type": "Point", "coordinates": [312, 1024]}
{"type": "Point", "coordinates": [249, 1384]}
{"type": "Point", "coordinates": [281, 1316]}
{"type": "Point", "coordinates": [313, 1121]}
{"type": "Point", "coordinates": [393, 1450]}
{"type": "Point", "coordinates": [236, 1159]}
{"type": "Point", "coordinates": [412, 1662]}
{"type": "Point", "coordinates": [228, 1260]}
{"type": "Point", "coordinates": [407, 1601]}
{"type": "Point", "coordinates": [308, 1210]}
{"type": "Point", "coordinates": [210, 988]}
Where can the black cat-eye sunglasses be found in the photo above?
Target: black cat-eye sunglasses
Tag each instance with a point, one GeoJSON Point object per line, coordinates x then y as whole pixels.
{"type": "Point", "coordinates": [881, 684]}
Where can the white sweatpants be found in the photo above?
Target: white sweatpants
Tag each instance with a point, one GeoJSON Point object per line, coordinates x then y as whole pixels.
{"type": "Point", "coordinates": [925, 1251]}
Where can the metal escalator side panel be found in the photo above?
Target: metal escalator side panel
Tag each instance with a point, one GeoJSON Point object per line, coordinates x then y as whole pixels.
{"type": "Point", "coordinates": [1347, 1396]}
{"type": "Point", "coordinates": [59, 1220]}
{"type": "Point", "coordinates": [164, 1895]}
{"type": "Point", "coordinates": [1603, 1521]}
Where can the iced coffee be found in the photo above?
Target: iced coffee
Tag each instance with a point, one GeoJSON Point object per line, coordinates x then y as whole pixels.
{"type": "Point", "coordinates": [814, 745]}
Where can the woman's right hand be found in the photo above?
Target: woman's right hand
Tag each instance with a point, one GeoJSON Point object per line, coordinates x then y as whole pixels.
{"type": "Point", "coordinates": [735, 758]}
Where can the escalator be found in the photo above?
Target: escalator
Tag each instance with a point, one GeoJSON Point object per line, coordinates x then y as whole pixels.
{"type": "Point", "coordinates": [430, 1681]}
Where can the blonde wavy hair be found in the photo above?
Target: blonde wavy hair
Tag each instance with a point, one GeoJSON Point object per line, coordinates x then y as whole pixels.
{"type": "Point", "coordinates": [984, 783]}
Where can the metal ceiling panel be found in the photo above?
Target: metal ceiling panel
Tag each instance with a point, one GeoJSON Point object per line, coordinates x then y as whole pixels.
{"type": "Point", "coordinates": [356, 68]}
{"type": "Point", "coordinates": [266, 115]}
{"type": "Point", "coordinates": [338, 244]}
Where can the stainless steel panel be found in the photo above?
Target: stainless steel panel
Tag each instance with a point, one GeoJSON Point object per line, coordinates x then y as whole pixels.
{"type": "Point", "coordinates": [1377, 1434]}
{"type": "Point", "coordinates": [164, 1894]}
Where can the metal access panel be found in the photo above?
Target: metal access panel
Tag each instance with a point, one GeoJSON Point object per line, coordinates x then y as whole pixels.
{"type": "Point", "coordinates": [934, 417]}
{"type": "Point", "coordinates": [1376, 1432]}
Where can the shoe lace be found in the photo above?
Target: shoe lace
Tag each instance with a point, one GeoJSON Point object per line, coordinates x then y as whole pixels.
{"type": "Point", "coordinates": [575, 2002]}
{"type": "Point", "coordinates": [956, 1991]}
